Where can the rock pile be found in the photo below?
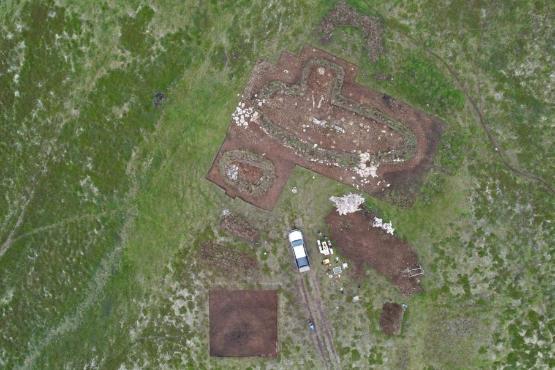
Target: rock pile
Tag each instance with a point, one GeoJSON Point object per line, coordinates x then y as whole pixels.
{"type": "Point", "coordinates": [348, 203]}
{"type": "Point", "coordinates": [386, 226]}
{"type": "Point", "coordinates": [243, 115]}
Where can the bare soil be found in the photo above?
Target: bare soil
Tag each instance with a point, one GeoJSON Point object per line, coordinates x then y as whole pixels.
{"type": "Point", "coordinates": [239, 227]}
{"type": "Point", "coordinates": [391, 318]}
{"type": "Point", "coordinates": [243, 323]}
{"type": "Point", "coordinates": [226, 260]}
{"type": "Point", "coordinates": [310, 112]}
{"type": "Point", "coordinates": [368, 246]}
{"type": "Point", "coordinates": [248, 172]}
{"type": "Point", "coordinates": [344, 15]}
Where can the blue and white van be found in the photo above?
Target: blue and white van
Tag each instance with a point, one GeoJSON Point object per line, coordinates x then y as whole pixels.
{"type": "Point", "coordinates": [297, 244]}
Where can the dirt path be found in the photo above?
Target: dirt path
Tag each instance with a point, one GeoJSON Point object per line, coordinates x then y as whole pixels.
{"type": "Point", "coordinates": [316, 339]}
{"type": "Point", "coordinates": [325, 324]}
{"type": "Point", "coordinates": [323, 334]}
{"type": "Point", "coordinates": [11, 236]}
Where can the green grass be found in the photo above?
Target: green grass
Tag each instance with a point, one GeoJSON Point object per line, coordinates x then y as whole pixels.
{"type": "Point", "coordinates": [104, 199]}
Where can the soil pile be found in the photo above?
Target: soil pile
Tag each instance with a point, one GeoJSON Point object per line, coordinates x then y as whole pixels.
{"type": "Point", "coordinates": [226, 260]}
{"type": "Point", "coordinates": [239, 227]}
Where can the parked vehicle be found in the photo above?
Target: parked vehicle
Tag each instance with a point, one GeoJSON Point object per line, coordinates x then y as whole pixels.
{"type": "Point", "coordinates": [297, 244]}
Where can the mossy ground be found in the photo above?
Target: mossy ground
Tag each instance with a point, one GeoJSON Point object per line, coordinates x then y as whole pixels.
{"type": "Point", "coordinates": [103, 197]}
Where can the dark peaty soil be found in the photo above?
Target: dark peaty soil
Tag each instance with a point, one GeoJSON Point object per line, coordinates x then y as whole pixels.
{"type": "Point", "coordinates": [391, 318]}
{"type": "Point", "coordinates": [368, 246]}
{"type": "Point", "coordinates": [243, 323]}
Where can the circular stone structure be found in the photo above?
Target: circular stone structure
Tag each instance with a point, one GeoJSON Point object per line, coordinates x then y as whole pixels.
{"type": "Point", "coordinates": [248, 172]}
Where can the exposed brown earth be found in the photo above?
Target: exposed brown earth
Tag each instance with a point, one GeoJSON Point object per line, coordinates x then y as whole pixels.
{"type": "Point", "coordinates": [391, 318]}
{"type": "Point", "coordinates": [307, 110]}
{"type": "Point", "coordinates": [226, 260]}
{"type": "Point", "coordinates": [368, 246]}
{"type": "Point", "coordinates": [243, 323]}
{"type": "Point", "coordinates": [248, 172]}
{"type": "Point", "coordinates": [344, 15]}
{"type": "Point", "coordinates": [239, 227]}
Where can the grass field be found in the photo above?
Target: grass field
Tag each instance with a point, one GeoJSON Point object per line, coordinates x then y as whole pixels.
{"type": "Point", "coordinates": [104, 202]}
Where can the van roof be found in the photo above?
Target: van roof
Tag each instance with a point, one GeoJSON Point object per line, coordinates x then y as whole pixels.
{"type": "Point", "coordinates": [299, 251]}
{"type": "Point", "coordinates": [295, 235]}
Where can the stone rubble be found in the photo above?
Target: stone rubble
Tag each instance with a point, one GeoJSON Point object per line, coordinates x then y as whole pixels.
{"type": "Point", "coordinates": [348, 203]}
{"type": "Point", "coordinates": [243, 115]}
{"type": "Point", "coordinates": [386, 226]}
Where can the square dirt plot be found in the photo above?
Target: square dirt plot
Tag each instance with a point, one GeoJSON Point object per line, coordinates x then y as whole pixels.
{"type": "Point", "coordinates": [243, 323]}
